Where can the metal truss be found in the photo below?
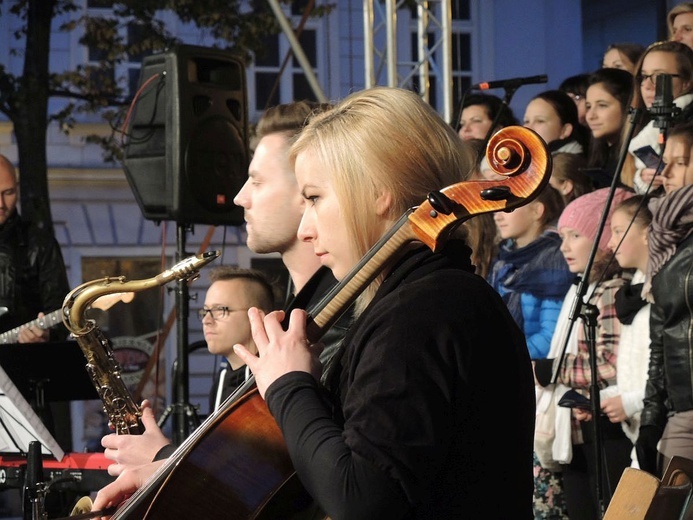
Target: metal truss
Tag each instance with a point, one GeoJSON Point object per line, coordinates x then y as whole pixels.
{"type": "Point", "coordinates": [385, 32]}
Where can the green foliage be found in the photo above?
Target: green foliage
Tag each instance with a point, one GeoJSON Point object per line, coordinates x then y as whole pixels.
{"type": "Point", "coordinates": [126, 32]}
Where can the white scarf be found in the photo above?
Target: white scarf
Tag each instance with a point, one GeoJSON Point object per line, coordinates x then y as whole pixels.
{"type": "Point", "coordinates": [549, 395]}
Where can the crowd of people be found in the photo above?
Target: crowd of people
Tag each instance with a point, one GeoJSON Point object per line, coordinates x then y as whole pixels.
{"type": "Point", "coordinates": [620, 159]}
{"type": "Point", "coordinates": [532, 345]}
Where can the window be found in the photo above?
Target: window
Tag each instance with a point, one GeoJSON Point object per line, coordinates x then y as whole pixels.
{"type": "Point", "coordinates": [462, 29]}
{"type": "Point", "coordinates": [463, 25]}
{"type": "Point", "coordinates": [98, 67]}
{"type": "Point", "coordinates": [102, 70]}
{"type": "Point", "coordinates": [134, 62]}
{"type": "Point", "coordinates": [461, 63]}
{"type": "Point", "coordinates": [461, 10]}
{"type": "Point", "coordinates": [276, 74]}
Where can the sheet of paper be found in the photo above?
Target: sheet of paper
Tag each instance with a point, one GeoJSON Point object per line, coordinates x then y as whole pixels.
{"type": "Point", "coordinates": [19, 424]}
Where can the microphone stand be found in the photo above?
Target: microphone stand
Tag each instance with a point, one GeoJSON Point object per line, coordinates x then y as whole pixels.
{"type": "Point", "coordinates": [509, 93]}
{"type": "Point", "coordinates": [184, 415]}
{"type": "Point", "coordinates": [589, 317]}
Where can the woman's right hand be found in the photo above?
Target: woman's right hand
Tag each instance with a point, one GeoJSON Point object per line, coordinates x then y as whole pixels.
{"type": "Point", "coordinates": [582, 415]}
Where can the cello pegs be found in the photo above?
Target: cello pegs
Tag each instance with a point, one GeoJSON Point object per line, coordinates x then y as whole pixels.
{"type": "Point", "coordinates": [440, 202]}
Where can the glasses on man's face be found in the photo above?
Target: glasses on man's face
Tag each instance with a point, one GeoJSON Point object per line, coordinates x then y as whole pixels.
{"type": "Point", "coordinates": [640, 78]}
{"type": "Point", "coordinates": [218, 312]}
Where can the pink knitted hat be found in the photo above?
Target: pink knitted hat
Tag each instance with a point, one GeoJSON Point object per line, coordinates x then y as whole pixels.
{"type": "Point", "coordinates": [584, 213]}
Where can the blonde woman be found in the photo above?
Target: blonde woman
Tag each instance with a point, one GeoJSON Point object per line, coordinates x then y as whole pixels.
{"type": "Point", "coordinates": [680, 22]}
{"type": "Point", "coordinates": [413, 429]}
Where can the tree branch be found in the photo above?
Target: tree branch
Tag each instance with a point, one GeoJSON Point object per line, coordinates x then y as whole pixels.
{"type": "Point", "coordinates": [92, 98]}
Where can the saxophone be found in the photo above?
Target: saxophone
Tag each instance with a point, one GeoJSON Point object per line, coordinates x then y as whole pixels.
{"type": "Point", "coordinates": [124, 414]}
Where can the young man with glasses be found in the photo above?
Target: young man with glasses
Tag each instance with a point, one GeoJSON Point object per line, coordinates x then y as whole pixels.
{"type": "Point", "coordinates": [225, 323]}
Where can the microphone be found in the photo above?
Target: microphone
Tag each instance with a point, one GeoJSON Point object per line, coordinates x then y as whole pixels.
{"type": "Point", "coordinates": [34, 486]}
{"type": "Point", "coordinates": [511, 83]}
{"type": "Point", "coordinates": [663, 109]}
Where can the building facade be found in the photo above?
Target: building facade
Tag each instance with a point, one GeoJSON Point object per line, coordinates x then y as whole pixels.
{"type": "Point", "coordinates": [97, 219]}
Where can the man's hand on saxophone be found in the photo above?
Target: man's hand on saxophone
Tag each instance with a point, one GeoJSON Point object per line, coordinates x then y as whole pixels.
{"type": "Point", "coordinates": [128, 451]}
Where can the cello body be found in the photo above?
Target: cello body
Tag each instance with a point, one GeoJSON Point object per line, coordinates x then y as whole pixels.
{"type": "Point", "coordinates": [238, 468]}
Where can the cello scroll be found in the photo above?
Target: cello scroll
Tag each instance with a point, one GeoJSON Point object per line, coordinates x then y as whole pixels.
{"type": "Point", "coordinates": [519, 155]}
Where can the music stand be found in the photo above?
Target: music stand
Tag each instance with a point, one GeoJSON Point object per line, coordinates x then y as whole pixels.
{"type": "Point", "coordinates": [19, 424]}
{"type": "Point", "coordinates": [58, 368]}
{"type": "Point", "coordinates": [38, 373]}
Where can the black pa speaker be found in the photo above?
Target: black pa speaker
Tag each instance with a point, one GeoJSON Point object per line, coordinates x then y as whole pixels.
{"type": "Point", "coordinates": [186, 154]}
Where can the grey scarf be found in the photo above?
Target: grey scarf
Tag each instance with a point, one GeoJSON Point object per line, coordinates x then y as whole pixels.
{"type": "Point", "coordinates": [672, 223]}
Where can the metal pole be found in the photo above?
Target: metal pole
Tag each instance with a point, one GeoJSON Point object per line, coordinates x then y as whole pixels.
{"type": "Point", "coordinates": [422, 47]}
{"type": "Point", "coordinates": [446, 36]}
{"type": "Point", "coordinates": [368, 48]}
{"type": "Point", "coordinates": [298, 51]}
{"type": "Point", "coordinates": [181, 425]}
{"type": "Point", "coordinates": [391, 32]}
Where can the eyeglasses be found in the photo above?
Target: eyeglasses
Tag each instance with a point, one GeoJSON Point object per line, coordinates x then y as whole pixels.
{"type": "Point", "coordinates": [218, 313]}
{"type": "Point", "coordinates": [640, 78]}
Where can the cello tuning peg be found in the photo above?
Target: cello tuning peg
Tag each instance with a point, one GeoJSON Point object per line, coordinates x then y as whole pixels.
{"type": "Point", "coordinates": [496, 193]}
{"type": "Point", "coordinates": [440, 202]}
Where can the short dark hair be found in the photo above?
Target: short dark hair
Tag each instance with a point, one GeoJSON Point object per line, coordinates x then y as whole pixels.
{"type": "Point", "coordinates": [553, 203]}
{"type": "Point", "coordinates": [494, 105]}
{"type": "Point", "coordinates": [576, 85]}
{"type": "Point", "coordinates": [571, 167]}
{"type": "Point", "coordinates": [264, 297]}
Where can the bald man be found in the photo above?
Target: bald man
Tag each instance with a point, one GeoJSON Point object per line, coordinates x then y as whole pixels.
{"type": "Point", "coordinates": [33, 279]}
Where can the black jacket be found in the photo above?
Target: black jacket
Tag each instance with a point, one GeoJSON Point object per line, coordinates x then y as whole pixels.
{"type": "Point", "coordinates": [670, 380]}
{"type": "Point", "coordinates": [434, 401]}
{"type": "Point", "coordinates": [32, 274]}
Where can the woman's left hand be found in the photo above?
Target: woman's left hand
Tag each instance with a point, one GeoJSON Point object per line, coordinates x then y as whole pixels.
{"type": "Point", "coordinates": [279, 351]}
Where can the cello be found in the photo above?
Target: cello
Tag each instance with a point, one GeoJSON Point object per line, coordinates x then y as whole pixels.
{"type": "Point", "coordinates": [236, 463]}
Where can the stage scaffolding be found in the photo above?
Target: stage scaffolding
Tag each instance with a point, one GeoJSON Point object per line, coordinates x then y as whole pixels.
{"type": "Point", "coordinates": [382, 33]}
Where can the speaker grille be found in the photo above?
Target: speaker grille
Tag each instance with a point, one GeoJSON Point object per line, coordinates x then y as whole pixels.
{"type": "Point", "coordinates": [187, 153]}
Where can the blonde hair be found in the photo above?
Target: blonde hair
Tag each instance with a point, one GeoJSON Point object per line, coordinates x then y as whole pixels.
{"type": "Point", "coordinates": [383, 140]}
{"type": "Point", "coordinates": [686, 7]}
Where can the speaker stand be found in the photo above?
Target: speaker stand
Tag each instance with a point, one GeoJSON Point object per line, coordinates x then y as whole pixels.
{"type": "Point", "coordinates": [183, 411]}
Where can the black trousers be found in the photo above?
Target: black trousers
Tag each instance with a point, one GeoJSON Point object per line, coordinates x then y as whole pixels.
{"type": "Point", "coordinates": [580, 476]}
